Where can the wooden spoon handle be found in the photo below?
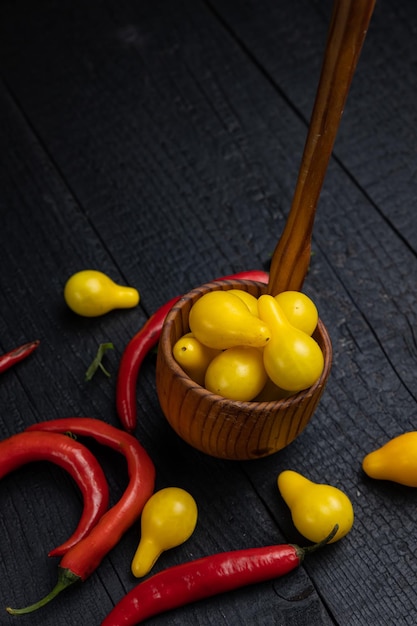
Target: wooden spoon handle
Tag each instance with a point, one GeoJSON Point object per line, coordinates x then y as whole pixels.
{"type": "Point", "coordinates": [347, 31]}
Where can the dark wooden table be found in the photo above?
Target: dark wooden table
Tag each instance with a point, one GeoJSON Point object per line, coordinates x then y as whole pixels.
{"type": "Point", "coordinates": [159, 141]}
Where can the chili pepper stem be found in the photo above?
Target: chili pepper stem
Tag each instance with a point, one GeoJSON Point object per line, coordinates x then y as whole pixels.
{"type": "Point", "coordinates": [302, 551]}
{"type": "Point", "coordinates": [66, 578]}
{"type": "Point", "coordinates": [323, 542]}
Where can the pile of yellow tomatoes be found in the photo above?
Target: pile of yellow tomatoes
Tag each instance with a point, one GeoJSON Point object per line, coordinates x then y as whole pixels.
{"type": "Point", "coordinates": [247, 348]}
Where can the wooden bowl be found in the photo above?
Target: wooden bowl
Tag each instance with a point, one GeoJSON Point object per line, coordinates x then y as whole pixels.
{"type": "Point", "coordinates": [218, 426]}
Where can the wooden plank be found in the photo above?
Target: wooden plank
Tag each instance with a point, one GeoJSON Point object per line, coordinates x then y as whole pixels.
{"type": "Point", "coordinates": [75, 218]}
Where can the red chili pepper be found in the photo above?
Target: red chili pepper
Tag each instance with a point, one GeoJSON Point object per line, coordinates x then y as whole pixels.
{"type": "Point", "coordinates": [258, 276]}
{"type": "Point", "coordinates": [81, 560]}
{"type": "Point", "coordinates": [18, 354]}
{"type": "Point", "coordinates": [204, 578]}
{"type": "Point", "coordinates": [139, 346]}
{"type": "Point", "coordinates": [131, 361]}
{"type": "Point", "coordinates": [72, 456]}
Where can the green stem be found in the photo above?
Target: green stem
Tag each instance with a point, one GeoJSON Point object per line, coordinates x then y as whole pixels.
{"type": "Point", "coordinates": [97, 362]}
{"type": "Point", "coordinates": [323, 542]}
{"type": "Point", "coordinates": [65, 579]}
{"type": "Point", "coordinates": [301, 552]}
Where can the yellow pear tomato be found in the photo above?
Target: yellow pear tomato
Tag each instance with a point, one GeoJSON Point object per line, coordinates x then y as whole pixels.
{"type": "Point", "coordinates": [237, 373]}
{"type": "Point", "coordinates": [299, 310]}
{"type": "Point", "coordinates": [168, 519]}
{"type": "Point", "coordinates": [292, 358]}
{"type": "Point", "coordinates": [250, 300]}
{"type": "Point", "coordinates": [316, 508]}
{"type": "Point", "coordinates": [193, 356]}
{"type": "Point", "coordinates": [221, 320]}
{"type": "Point", "coordinates": [396, 460]}
{"type": "Point", "coordinates": [91, 293]}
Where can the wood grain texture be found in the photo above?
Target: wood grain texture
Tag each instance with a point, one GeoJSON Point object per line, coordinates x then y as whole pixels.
{"type": "Point", "coordinates": [160, 142]}
{"type": "Point", "coordinates": [348, 26]}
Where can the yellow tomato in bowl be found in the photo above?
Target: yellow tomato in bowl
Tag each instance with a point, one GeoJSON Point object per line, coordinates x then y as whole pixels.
{"type": "Point", "coordinates": [299, 309]}
{"type": "Point", "coordinates": [237, 373]}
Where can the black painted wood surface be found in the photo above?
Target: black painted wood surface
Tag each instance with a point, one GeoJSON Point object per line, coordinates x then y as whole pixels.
{"type": "Point", "coordinates": [159, 142]}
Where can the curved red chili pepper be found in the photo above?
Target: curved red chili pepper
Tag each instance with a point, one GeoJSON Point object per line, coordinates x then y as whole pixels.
{"type": "Point", "coordinates": [72, 456]}
{"type": "Point", "coordinates": [80, 561]}
{"type": "Point", "coordinates": [131, 361]}
{"type": "Point", "coordinates": [18, 354]}
{"type": "Point", "coordinates": [204, 578]}
{"type": "Point", "coordinates": [142, 342]}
